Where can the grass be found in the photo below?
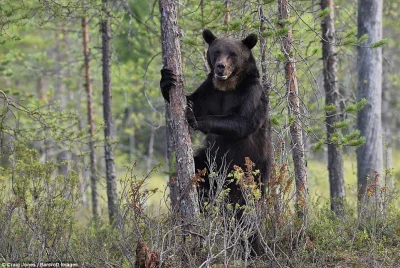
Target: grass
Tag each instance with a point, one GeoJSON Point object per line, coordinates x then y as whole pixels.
{"type": "Point", "coordinates": [318, 180]}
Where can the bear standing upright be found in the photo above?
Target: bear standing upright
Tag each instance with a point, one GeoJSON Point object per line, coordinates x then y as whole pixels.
{"type": "Point", "coordinates": [230, 107]}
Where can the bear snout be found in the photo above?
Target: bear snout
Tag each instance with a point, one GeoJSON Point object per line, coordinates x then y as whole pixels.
{"type": "Point", "coordinates": [220, 67]}
{"type": "Point", "coordinates": [221, 72]}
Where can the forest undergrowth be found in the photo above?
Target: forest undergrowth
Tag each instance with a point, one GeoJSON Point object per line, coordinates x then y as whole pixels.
{"type": "Point", "coordinates": [38, 224]}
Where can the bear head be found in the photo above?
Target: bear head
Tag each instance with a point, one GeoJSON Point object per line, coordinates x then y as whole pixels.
{"type": "Point", "coordinates": [228, 58]}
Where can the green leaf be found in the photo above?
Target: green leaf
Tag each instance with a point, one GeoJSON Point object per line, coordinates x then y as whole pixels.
{"type": "Point", "coordinates": [323, 13]}
{"type": "Point", "coordinates": [361, 104]}
{"type": "Point", "coordinates": [282, 31]}
{"type": "Point", "coordinates": [349, 41]}
{"type": "Point", "coordinates": [190, 41]}
{"type": "Point", "coordinates": [235, 25]}
{"type": "Point", "coordinates": [360, 141]}
{"type": "Point", "coordinates": [318, 145]}
{"type": "Point", "coordinates": [330, 108]}
{"type": "Point", "coordinates": [265, 2]}
{"type": "Point", "coordinates": [341, 124]}
{"type": "Point", "coordinates": [336, 138]}
{"type": "Point", "coordinates": [380, 43]}
{"type": "Point", "coordinates": [363, 38]}
{"type": "Point", "coordinates": [275, 120]}
{"type": "Point", "coordinates": [268, 33]}
{"type": "Point", "coordinates": [356, 107]}
{"type": "Point", "coordinates": [354, 135]}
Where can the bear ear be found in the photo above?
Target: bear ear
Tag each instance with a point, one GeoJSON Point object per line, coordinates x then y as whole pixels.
{"type": "Point", "coordinates": [250, 41]}
{"type": "Point", "coordinates": [208, 36]}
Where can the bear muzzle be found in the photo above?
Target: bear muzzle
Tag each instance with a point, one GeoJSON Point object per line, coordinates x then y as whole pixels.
{"type": "Point", "coordinates": [221, 77]}
{"type": "Point", "coordinates": [221, 72]}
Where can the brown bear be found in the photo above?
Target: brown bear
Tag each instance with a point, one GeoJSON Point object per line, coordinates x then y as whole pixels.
{"type": "Point", "coordinates": [230, 107]}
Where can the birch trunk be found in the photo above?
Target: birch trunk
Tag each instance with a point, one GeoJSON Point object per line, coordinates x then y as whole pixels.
{"type": "Point", "coordinates": [188, 199]}
{"type": "Point", "coordinates": [108, 120]}
{"type": "Point", "coordinates": [296, 132]}
{"type": "Point", "coordinates": [369, 155]}
{"type": "Point", "coordinates": [89, 94]}
{"type": "Point", "coordinates": [332, 97]}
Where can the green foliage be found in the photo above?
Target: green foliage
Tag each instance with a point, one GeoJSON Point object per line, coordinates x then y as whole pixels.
{"type": "Point", "coordinates": [282, 31]}
{"type": "Point", "coordinates": [356, 107]}
{"type": "Point", "coordinates": [363, 38]}
{"type": "Point", "coordinates": [191, 41]}
{"type": "Point", "coordinates": [330, 108]}
{"type": "Point", "coordinates": [351, 40]}
{"type": "Point", "coordinates": [39, 204]}
{"type": "Point", "coordinates": [266, 2]}
{"type": "Point", "coordinates": [235, 25]}
{"type": "Point", "coordinates": [357, 142]}
{"type": "Point", "coordinates": [318, 145]}
{"type": "Point", "coordinates": [336, 138]}
{"type": "Point", "coordinates": [341, 124]}
{"type": "Point", "coordinates": [275, 120]}
{"type": "Point", "coordinates": [380, 43]}
{"type": "Point", "coordinates": [324, 13]}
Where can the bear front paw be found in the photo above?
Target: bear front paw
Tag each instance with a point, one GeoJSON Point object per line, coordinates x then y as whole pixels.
{"type": "Point", "coordinates": [168, 80]}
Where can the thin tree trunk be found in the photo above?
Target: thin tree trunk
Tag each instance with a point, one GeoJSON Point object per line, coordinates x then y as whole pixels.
{"type": "Point", "coordinates": [227, 17]}
{"type": "Point", "coordinates": [89, 92]}
{"type": "Point", "coordinates": [112, 194]}
{"type": "Point", "coordinates": [387, 128]}
{"type": "Point", "coordinates": [188, 199]}
{"type": "Point", "coordinates": [41, 146]}
{"type": "Point", "coordinates": [41, 82]}
{"type": "Point", "coordinates": [369, 155]}
{"type": "Point", "coordinates": [64, 154]}
{"type": "Point", "coordinates": [150, 149]}
{"type": "Point", "coordinates": [266, 86]}
{"type": "Point", "coordinates": [203, 25]}
{"type": "Point", "coordinates": [296, 132]}
{"type": "Point", "coordinates": [132, 141]}
{"type": "Point", "coordinates": [332, 97]}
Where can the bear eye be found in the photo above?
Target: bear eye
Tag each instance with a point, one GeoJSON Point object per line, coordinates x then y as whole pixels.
{"type": "Point", "coordinates": [232, 54]}
{"type": "Point", "coordinates": [217, 53]}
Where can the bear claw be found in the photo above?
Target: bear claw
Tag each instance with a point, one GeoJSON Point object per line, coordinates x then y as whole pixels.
{"type": "Point", "coordinates": [168, 80]}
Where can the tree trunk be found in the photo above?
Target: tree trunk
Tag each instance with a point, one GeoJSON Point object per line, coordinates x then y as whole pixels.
{"type": "Point", "coordinates": [227, 17]}
{"type": "Point", "coordinates": [108, 120]}
{"type": "Point", "coordinates": [41, 85]}
{"type": "Point", "coordinates": [173, 183]}
{"type": "Point", "coordinates": [60, 92]}
{"type": "Point", "coordinates": [150, 150]}
{"type": "Point", "coordinates": [388, 126]}
{"type": "Point", "coordinates": [132, 140]}
{"type": "Point", "coordinates": [266, 86]}
{"type": "Point", "coordinates": [369, 155]}
{"type": "Point", "coordinates": [296, 132]}
{"type": "Point", "coordinates": [332, 97]}
{"type": "Point", "coordinates": [188, 199]}
{"type": "Point", "coordinates": [89, 92]}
